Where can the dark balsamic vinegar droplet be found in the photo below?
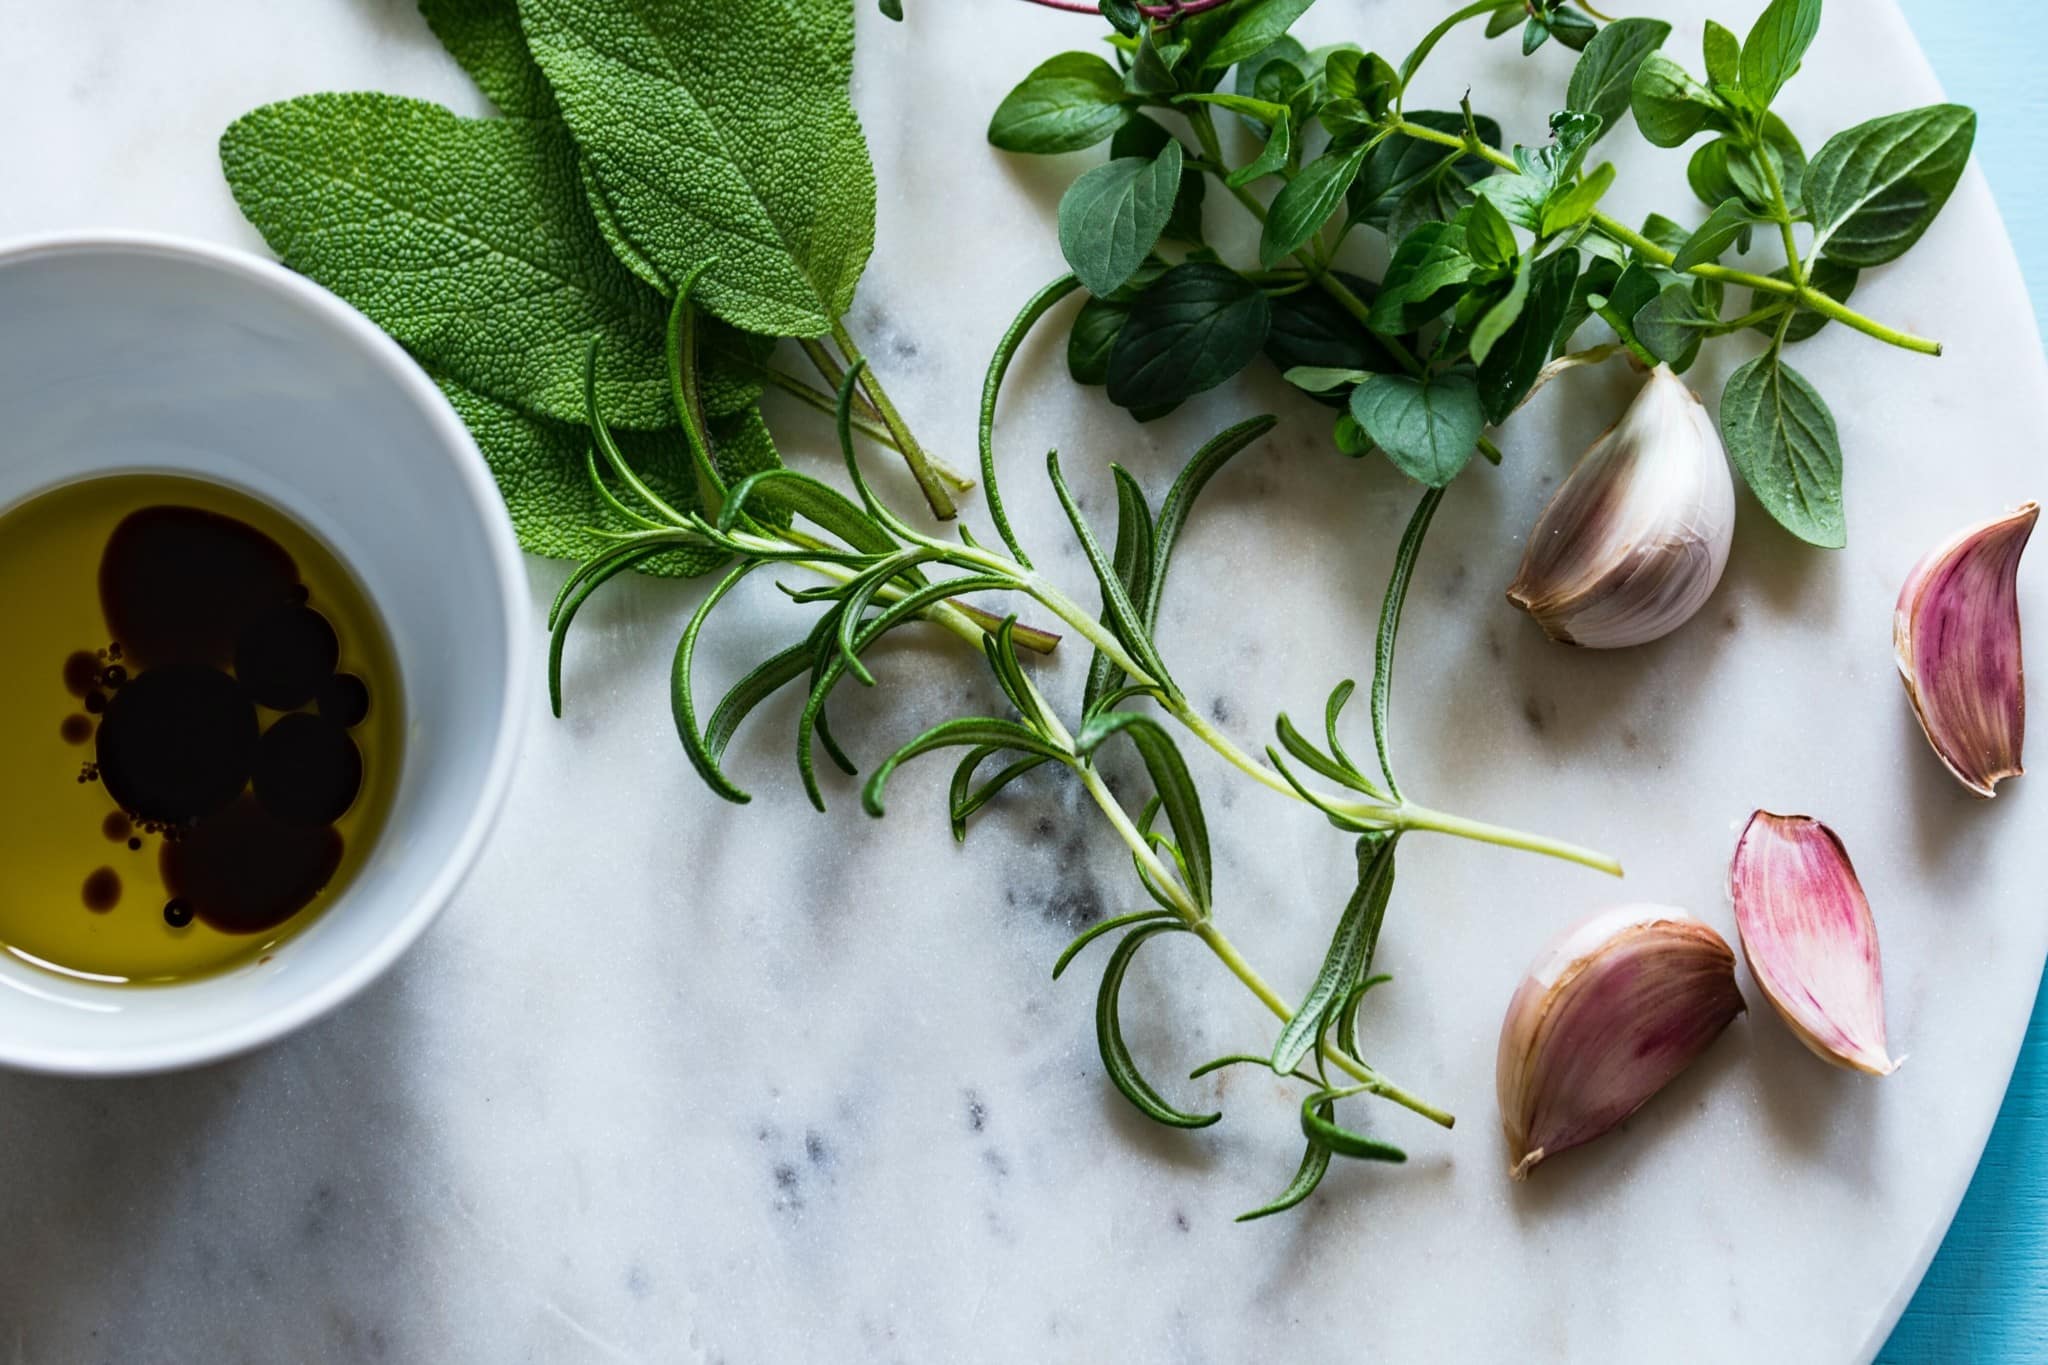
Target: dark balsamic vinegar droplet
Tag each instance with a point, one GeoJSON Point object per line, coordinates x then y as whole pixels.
{"type": "Point", "coordinates": [177, 743]}
{"type": "Point", "coordinates": [117, 826]}
{"type": "Point", "coordinates": [180, 585]}
{"type": "Point", "coordinates": [307, 770]}
{"type": "Point", "coordinates": [283, 659]}
{"type": "Point", "coordinates": [103, 890]}
{"type": "Point", "coordinates": [81, 669]}
{"type": "Point", "coordinates": [344, 699]}
{"type": "Point", "coordinates": [178, 914]}
{"type": "Point", "coordinates": [243, 870]}
{"type": "Point", "coordinates": [75, 729]}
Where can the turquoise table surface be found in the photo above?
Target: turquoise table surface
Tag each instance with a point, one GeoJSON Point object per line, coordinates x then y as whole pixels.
{"type": "Point", "coordinates": [1985, 1298]}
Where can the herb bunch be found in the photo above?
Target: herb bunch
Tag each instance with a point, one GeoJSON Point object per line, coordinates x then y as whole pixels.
{"type": "Point", "coordinates": [1496, 258]}
{"type": "Point", "coordinates": [880, 574]}
{"type": "Point", "coordinates": [639, 146]}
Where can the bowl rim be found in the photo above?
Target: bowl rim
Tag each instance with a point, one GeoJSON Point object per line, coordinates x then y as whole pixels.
{"type": "Point", "coordinates": [508, 571]}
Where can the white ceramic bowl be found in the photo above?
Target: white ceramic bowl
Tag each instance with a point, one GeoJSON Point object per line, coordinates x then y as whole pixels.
{"type": "Point", "coordinates": [123, 352]}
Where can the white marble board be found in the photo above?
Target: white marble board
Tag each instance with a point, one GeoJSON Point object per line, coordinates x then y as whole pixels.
{"type": "Point", "coordinates": [675, 1080]}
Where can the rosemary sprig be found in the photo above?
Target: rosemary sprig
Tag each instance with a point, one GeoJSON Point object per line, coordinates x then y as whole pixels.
{"type": "Point", "coordinates": [879, 573]}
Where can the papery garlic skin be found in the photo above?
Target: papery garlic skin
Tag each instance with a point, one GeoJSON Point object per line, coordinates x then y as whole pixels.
{"type": "Point", "coordinates": [1809, 938]}
{"type": "Point", "coordinates": [1611, 1010]}
{"type": "Point", "coordinates": [1635, 540]}
{"type": "Point", "coordinates": [1956, 636]}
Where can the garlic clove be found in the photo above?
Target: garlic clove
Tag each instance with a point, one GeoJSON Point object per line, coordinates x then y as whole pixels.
{"type": "Point", "coordinates": [1611, 1010]}
{"type": "Point", "coordinates": [1809, 939]}
{"type": "Point", "coordinates": [1956, 636]}
{"type": "Point", "coordinates": [1635, 540]}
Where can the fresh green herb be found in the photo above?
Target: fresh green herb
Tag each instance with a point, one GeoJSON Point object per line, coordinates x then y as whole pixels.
{"type": "Point", "coordinates": [498, 250]}
{"type": "Point", "coordinates": [1496, 258]}
{"type": "Point", "coordinates": [880, 574]}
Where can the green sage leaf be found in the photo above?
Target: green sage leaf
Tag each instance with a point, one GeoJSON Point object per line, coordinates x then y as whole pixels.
{"type": "Point", "coordinates": [725, 139]}
{"type": "Point", "coordinates": [468, 240]}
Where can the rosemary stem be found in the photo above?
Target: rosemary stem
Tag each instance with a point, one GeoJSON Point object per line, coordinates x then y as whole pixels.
{"type": "Point", "coordinates": [1408, 815]}
{"type": "Point", "coordinates": [1205, 929]}
{"type": "Point", "coordinates": [928, 480]}
{"type": "Point", "coordinates": [1404, 815]}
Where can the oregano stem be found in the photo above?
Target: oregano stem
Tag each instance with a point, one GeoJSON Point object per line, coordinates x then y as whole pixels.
{"type": "Point", "coordinates": [1807, 296]}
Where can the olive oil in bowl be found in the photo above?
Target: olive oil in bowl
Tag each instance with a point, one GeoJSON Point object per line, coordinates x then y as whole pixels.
{"type": "Point", "coordinates": [200, 728]}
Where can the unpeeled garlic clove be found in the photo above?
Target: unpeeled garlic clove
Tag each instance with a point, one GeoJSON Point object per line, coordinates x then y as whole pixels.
{"type": "Point", "coordinates": [1809, 938]}
{"type": "Point", "coordinates": [1615, 1007]}
{"type": "Point", "coordinates": [1634, 541]}
{"type": "Point", "coordinates": [1956, 635]}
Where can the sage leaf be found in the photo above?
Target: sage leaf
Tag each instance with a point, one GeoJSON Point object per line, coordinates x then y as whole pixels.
{"type": "Point", "coordinates": [1782, 439]}
{"type": "Point", "coordinates": [1428, 427]}
{"type": "Point", "coordinates": [1606, 71]}
{"type": "Point", "coordinates": [1874, 189]}
{"type": "Point", "coordinates": [468, 240]}
{"type": "Point", "coordinates": [1306, 203]}
{"type": "Point", "coordinates": [1706, 242]}
{"type": "Point", "coordinates": [1072, 101]}
{"type": "Point", "coordinates": [484, 37]}
{"type": "Point", "coordinates": [1198, 325]}
{"type": "Point", "coordinates": [725, 139]}
{"type": "Point", "coordinates": [544, 476]}
{"type": "Point", "coordinates": [1111, 217]}
{"type": "Point", "coordinates": [1776, 42]}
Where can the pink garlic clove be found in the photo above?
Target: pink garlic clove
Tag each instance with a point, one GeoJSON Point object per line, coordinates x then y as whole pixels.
{"type": "Point", "coordinates": [1614, 1008]}
{"type": "Point", "coordinates": [1956, 635]}
{"type": "Point", "coordinates": [1810, 941]}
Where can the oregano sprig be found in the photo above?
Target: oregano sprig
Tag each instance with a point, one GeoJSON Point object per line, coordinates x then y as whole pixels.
{"type": "Point", "coordinates": [1497, 255]}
